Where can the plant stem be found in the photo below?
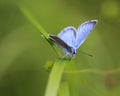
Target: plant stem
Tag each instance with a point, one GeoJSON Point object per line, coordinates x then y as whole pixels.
{"type": "Point", "coordinates": [55, 77]}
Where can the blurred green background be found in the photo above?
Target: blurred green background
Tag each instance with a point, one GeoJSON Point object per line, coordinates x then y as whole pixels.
{"type": "Point", "coordinates": [24, 53]}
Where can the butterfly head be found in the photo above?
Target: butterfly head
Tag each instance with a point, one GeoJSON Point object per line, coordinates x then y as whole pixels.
{"type": "Point", "coordinates": [71, 53]}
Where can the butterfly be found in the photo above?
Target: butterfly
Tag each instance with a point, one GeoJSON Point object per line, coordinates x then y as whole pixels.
{"type": "Point", "coordinates": [70, 39]}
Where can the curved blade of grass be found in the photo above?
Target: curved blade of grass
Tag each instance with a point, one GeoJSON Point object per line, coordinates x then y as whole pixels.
{"type": "Point", "coordinates": [33, 21]}
{"type": "Point", "coordinates": [64, 89]}
{"type": "Point", "coordinates": [59, 65]}
{"type": "Point", "coordinates": [38, 26]}
{"type": "Point", "coordinates": [95, 71]}
{"type": "Point", "coordinates": [55, 77]}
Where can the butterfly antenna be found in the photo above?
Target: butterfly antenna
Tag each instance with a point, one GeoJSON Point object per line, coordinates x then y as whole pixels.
{"type": "Point", "coordinates": [86, 53]}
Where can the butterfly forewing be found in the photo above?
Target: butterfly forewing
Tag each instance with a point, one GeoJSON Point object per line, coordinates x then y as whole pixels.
{"type": "Point", "coordinates": [83, 32]}
{"type": "Point", "coordinates": [68, 35]}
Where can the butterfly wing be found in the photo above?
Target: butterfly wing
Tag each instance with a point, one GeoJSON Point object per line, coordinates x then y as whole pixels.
{"type": "Point", "coordinates": [83, 31]}
{"type": "Point", "coordinates": [61, 44]}
{"type": "Point", "coordinates": [68, 35]}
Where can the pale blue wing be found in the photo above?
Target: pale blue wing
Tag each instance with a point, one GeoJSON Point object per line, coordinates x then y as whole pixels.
{"type": "Point", "coordinates": [83, 31]}
{"type": "Point", "coordinates": [68, 35]}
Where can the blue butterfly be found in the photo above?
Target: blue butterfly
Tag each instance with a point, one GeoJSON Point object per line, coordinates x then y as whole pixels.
{"type": "Point", "coordinates": [70, 39]}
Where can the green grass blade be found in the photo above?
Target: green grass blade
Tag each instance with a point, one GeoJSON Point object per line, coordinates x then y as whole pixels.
{"type": "Point", "coordinates": [55, 77]}
{"type": "Point", "coordinates": [64, 89]}
{"type": "Point", "coordinates": [59, 65]}
{"type": "Point", "coordinates": [38, 26]}
{"type": "Point", "coordinates": [33, 21]}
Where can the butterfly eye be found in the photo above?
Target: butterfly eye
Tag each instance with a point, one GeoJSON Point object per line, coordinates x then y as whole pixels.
{"type": "Point", "coordinates": [73, 51]}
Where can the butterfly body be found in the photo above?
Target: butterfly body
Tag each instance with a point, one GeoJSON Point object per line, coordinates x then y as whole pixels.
{"type": "Point", "coordinates": [70, 39]}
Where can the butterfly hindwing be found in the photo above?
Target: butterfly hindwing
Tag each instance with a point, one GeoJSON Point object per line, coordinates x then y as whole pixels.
{"type": "Point", "coordinates": [61, 44]}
